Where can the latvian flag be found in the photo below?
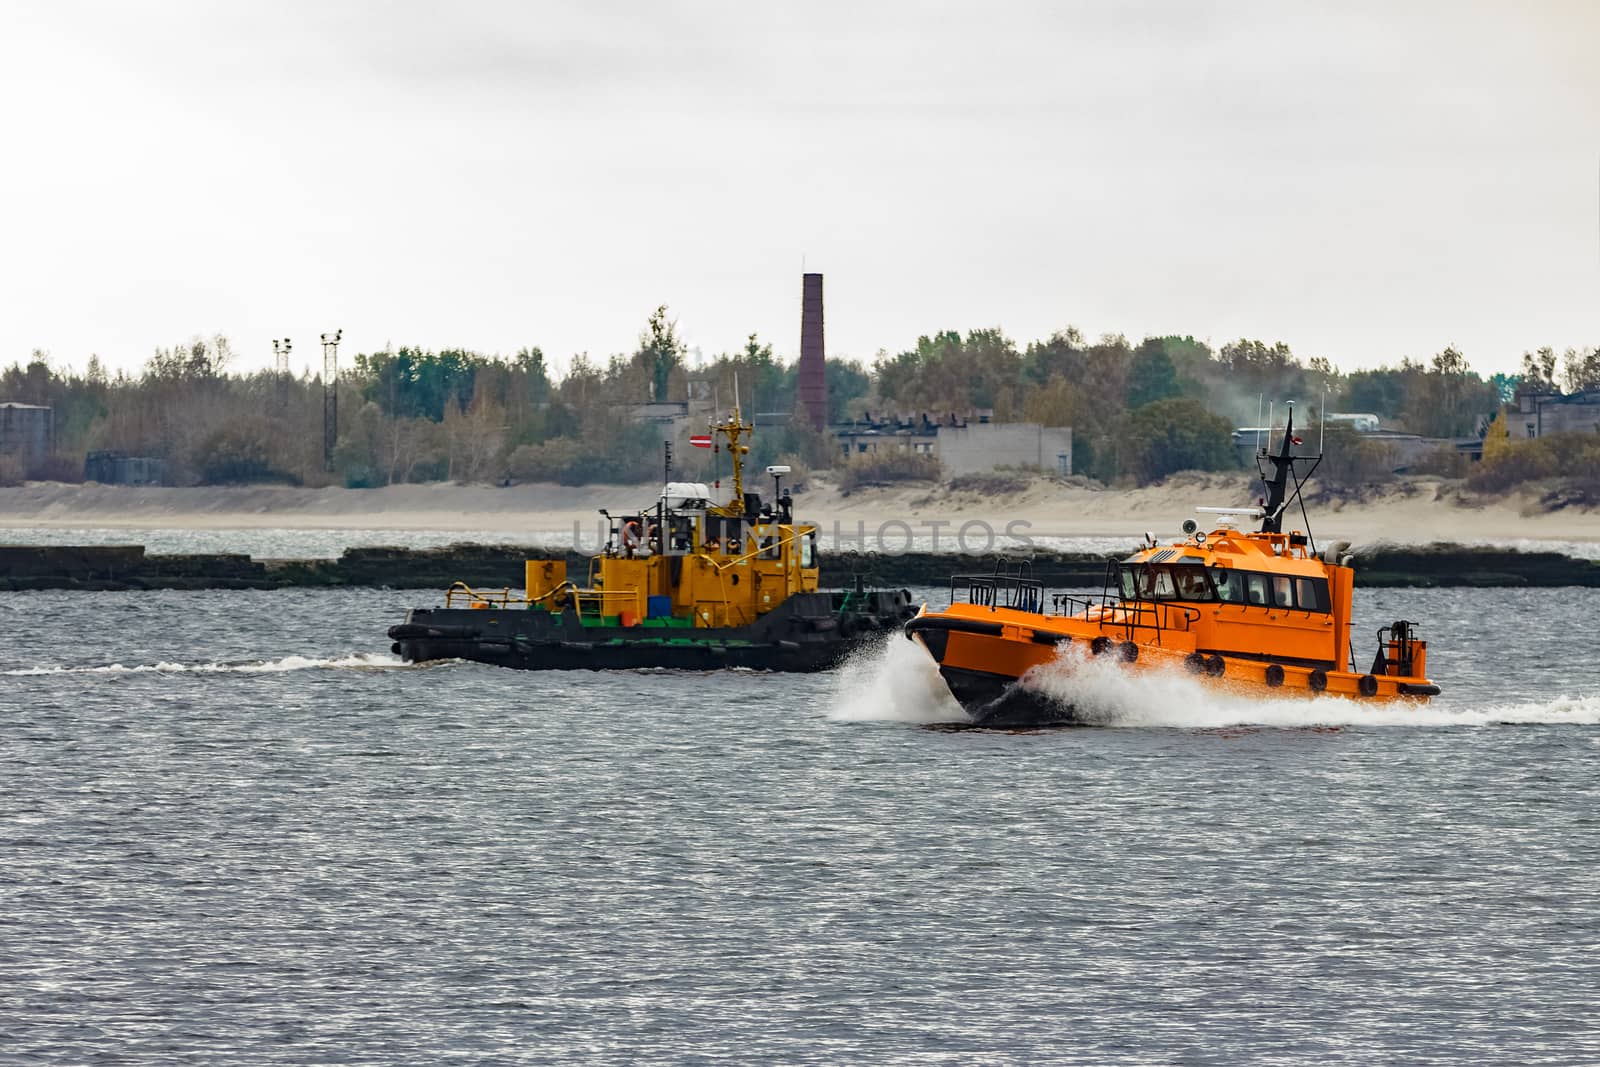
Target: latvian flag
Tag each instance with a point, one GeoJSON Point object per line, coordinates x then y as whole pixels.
{"type": "Point", "coordinates": [700, 440]}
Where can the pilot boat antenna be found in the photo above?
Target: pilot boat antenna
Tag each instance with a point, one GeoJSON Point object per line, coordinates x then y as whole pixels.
{"type": "Point", "coordinates": [1278, 496]}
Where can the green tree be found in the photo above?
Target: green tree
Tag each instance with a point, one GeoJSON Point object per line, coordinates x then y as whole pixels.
{"type": "Point", "coordinates": [847, 382]}
{"type": "Point", "coordinates": [660, 352]}
{"type": "Point", "coordinates": [1060, 356]}
{"type": "Point", "coordinates": [413, 383]}
{"type": "Point", "coordinates": [1177, 435]}
{"type": "Point", "coordinates": [1581, 370]}
{"type": "Point", "coordinates": [1539, 371]}
{"type": "Point", "coordinates": [1152, 375]}
{"type": "Point", "coordinates": [1446, 399]}
{"type": "Point", "coordinates": [946, 372]}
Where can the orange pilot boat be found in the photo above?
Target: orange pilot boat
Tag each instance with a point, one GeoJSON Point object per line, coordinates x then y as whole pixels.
{"type": "Point", "coordinates": [1258, 611]}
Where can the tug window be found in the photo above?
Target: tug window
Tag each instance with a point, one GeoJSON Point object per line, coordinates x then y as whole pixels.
{"type": "Point", "coordinates": [1256, 588]}
{"type": "Point", "coordinates": [808, 550]}
{"type": "Point", "coordinates": [1282, 591]}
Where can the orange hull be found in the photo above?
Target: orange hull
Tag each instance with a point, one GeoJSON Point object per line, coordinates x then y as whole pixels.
{"type": "Point", "coordinates": [983, 652]}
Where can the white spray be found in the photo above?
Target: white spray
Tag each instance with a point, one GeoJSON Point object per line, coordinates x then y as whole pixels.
{"type": "Point", "coordinates": [892, 680]}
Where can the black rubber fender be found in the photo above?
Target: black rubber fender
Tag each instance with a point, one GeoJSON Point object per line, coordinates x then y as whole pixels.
{"type": "Point", "coordinates": [1128, 652]}
{"type": "Point", "coordinates": [1216, 666]}
{"type": "Point", "coordinates": [1275, 675]}
{"type": "Point", "coordinates": [1099, 645]}
{"type": "Point", "coordinates": [1194, 663]}
{"type": "Point", "coordinates": [1318, 680]}
{"type": "Point", "coordinates": [1368, 686]}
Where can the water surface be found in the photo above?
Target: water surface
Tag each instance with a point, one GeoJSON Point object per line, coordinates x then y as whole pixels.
{"type": "Point", "coordinates": [236, 830]}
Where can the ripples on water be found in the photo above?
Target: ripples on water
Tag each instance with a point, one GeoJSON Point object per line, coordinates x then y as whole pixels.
{"type": "Point", "coordinates": [237, 831]}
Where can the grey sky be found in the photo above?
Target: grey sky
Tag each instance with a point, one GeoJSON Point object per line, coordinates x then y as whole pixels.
{"type": "Point", "coordinates": [1363, 181]}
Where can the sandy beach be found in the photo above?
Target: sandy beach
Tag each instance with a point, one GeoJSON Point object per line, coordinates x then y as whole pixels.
{"type": "Point", "coordinates": [1420, 512]}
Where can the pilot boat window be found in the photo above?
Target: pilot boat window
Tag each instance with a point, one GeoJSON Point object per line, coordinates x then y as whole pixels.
{"type": "Point", "coordinates": [1149, 583]}
{"type": "Point", "coordinates": [1229, 583]}
{"type": "Point", "coordinates": [1161, 585]}
{"type": "Point", "coordinates": [1192, 583]}
{"type": "Point", "coordinates": [1311, 594]}
{"type": "Point", "coordinates": [1268, 590]}
{"type": "Point", "coordinates": [1144, 582]}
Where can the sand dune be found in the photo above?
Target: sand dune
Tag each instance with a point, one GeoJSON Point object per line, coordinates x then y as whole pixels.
{"type": "Point", "coordinates": [1419, 512]}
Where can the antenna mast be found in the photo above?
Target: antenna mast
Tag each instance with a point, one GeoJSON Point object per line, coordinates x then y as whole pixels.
{"type": "Point", "coordinates": [734, 429]}
{"type": "Point", "coordinates": [280, 352]}
{"type": "Point", "coordinates": [330, 395]}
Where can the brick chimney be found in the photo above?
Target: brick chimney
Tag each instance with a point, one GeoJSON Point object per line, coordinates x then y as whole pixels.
{"type": "Point", "coordinates": [813, 378]}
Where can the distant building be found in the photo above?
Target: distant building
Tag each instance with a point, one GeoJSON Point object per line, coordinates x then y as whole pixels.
{"type": "Point", "coordinates": [26, 432]}
{"type": "Point", "coordinates": [1402, 449]}
{"type": "Point", "coordinates": [116, 468]}
{"type": "Point", "coordinates": [1359, 421]}
{"type": "Point", "coordinates": [1536, 414]}
{"type": "Point", "coordinates": [963, 444]}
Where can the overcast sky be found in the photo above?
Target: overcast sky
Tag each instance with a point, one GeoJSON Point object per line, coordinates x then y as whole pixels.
{"type": "Point", "coordinates": [1362, 181]}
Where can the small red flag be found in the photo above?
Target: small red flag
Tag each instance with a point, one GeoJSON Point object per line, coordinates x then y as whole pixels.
{"type": "Point", "coordinates": [701, 440]}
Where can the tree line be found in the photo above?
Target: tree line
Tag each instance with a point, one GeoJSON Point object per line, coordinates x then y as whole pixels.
{"type": "Point", "coordinates": [1137, 411]}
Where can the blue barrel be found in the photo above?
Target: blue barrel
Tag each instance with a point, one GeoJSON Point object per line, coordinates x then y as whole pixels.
{"type": "Point", "coordinates": [658, 607]}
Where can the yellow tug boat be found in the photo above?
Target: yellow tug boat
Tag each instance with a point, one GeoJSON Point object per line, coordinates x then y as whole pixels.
{"type": "Point", "coordinates": [685, 584]}
{"type": "Point", "coordinates": [1260, 612]}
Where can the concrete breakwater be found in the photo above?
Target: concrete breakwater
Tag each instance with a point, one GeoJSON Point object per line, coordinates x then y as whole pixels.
{"type": "Point", "coordinates": [129, 567]}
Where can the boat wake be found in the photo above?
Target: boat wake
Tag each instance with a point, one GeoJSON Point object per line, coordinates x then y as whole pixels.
{"type": "Point", "coordinates": [895, 681]}
{"type": "Point", "coordinates": [361, 661]}
{"type": "Point", "coordinates": [892, 680]}
{"type": "Point", "coordinates": [1105, 693]}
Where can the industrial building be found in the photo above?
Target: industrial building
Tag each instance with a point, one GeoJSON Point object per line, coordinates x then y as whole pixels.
{"type": "Point", "coordinates": [117, 468]}
{"type": "Point", "coordinates": [1537, 414]}
{"type": "Point", "coordinates": [964, 444]}
{"type": "Point", "coordinates": [970, 444]}
{"type": "Point", "coordinates": [27, 432]}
